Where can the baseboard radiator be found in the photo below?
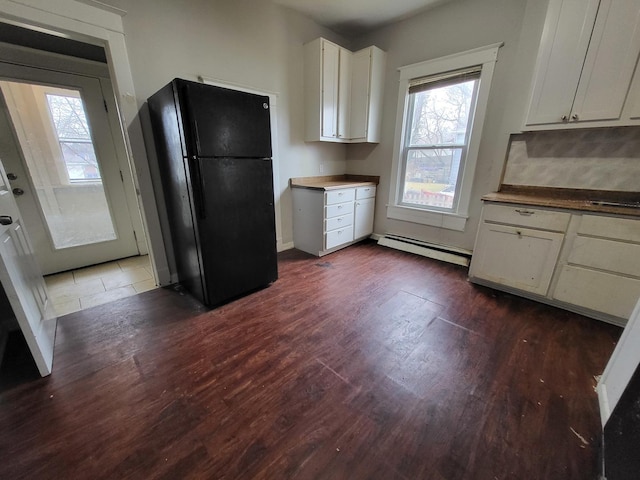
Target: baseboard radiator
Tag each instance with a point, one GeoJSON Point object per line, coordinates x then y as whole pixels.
{"type": "Point", "coordinates": [444, 253]}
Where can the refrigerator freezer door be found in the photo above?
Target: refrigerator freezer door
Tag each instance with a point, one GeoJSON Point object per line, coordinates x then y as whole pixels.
{"type": "Point", "coordinates": [237, 226]}
{"type": "Point", "coordinates": [225, 123]}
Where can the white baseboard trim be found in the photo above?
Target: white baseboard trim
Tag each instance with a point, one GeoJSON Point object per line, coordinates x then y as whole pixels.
{"type": "Point", "coordinates": [281, 246]}
{"type": "Point", "coordinates": [457, 256]}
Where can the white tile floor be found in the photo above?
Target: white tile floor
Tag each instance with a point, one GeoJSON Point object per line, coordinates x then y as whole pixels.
{"type": "Point", "coordinates": [87, 287]}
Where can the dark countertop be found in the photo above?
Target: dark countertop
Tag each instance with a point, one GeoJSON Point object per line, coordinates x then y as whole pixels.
{"type": "Point", "coordinates": [334, 182]}
{"type": "Point", "coordinates": [597, 201]}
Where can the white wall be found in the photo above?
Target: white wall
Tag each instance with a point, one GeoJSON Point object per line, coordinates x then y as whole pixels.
{"type": "Point", "coordinates": [252, 43]}
{"type": "Point", "coordinates": [450, 28]}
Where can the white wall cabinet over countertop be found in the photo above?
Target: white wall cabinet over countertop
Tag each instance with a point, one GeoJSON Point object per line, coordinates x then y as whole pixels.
{"type": "Point", "coordinates": [584, 73]}
{"type": "Point", "coordinates": [583, 262]}
{"type": "Point", "coordinates": [343, 93]}
{"type": "Point", "coordinates": [327, 220]}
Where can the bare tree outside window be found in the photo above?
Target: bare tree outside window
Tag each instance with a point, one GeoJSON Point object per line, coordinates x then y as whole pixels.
{"type": "Point", "coordinates": [72, 129]}
{"type": "Point", "coordinates": [439, 118]}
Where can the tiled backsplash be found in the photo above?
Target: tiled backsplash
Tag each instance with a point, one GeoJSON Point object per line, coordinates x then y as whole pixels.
{"type": "Point", "coordinates": [595, 159]}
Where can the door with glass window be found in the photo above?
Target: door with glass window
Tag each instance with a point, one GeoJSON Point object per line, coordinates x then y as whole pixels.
{"type": "Point", "coordinates": [58, 149]}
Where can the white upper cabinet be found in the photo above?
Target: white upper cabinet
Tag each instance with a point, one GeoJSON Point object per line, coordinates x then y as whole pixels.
{"type": "Point", "coordinates": [329, 98]}
{"type": "Point", "coordinates": [343, 93]}
{"type": "Point", "coordinates": [586, 64]}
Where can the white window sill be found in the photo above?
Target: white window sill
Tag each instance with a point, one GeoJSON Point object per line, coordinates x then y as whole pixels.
{"type": "Point", "coordinates": [450, 221]}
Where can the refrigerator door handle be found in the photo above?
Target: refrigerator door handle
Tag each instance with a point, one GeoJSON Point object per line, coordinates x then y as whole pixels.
{"type": "Point", "coordinates": [198, 188]}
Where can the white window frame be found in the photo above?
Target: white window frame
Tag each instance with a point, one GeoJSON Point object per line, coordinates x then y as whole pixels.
{"type": "Point", "coordinates": [486, 57]}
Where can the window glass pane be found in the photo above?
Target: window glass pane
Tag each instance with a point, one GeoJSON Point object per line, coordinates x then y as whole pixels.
{"type": "Point", "coordinates": [80, 159]}
{"type": "Point", "coordinates": [441, 114]}
{"type": "Point", "coordinates": [431, 176]}
{"type": "Point", "coordinates": [72, 130]}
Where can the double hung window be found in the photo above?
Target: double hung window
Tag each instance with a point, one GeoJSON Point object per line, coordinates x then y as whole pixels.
{"type": "Point", "coordinates": [439, 118]}
{"type": "Point", "coordinates": [441, 109]}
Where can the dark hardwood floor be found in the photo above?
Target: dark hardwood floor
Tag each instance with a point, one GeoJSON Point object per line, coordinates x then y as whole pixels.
{"type": "Point", "coordinates": [365, 364]}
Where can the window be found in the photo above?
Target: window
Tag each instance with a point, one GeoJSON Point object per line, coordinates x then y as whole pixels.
{"type": "Point", "coordinates": [440, 115]}
{"type": "Point", "coordinates": [71, 128]}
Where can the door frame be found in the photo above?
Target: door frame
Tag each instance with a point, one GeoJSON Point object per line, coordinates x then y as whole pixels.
{"type": "Point", "coordinates": [24, 65]}
{"type": "Point", "coordinates": [89, 24]}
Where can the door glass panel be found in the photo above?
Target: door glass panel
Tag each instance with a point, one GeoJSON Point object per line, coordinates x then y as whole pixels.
{"type": "Point", "coordinates": [53, 130]}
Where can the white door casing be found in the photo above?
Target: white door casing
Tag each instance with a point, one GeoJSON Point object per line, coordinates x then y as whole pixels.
{"type": "Point", "coordinates": [51, 259]}
{"type": "Point", "coordinates": [23, 283]}
{"type": "Point", "coordinates": [621, 366]}
{"type": "Point", "coordinates": [93, 25]}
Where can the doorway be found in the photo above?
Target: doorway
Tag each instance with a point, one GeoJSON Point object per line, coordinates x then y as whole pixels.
{"type": "Point", "coordinates": [61, 139]}
{"type": "Point", "coordinates": [63, 168]}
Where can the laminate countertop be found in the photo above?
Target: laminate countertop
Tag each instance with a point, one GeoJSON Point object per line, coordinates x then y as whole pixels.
{"type": "Point", "coordinates": [597, 201]}
{"type": "Point", "coordinates": [334, 182]}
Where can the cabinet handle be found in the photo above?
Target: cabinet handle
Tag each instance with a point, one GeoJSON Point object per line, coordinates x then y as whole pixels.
{"type": "Point", "coordinates": [574, 116]}
{"type": "Point", "coordinates": [526, 213]}
{"type": "Point", "coordinates": [519, 233]}
{"type": "Point", "coordinates": [563, 118]}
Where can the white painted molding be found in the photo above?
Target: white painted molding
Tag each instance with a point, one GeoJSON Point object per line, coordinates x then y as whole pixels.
{"type": "Point", "coordinates": [621, 366]}
{"type": "Point", "coordinates": [85, 23]}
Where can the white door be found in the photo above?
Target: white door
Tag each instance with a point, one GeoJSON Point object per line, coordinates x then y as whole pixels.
{"type": "Point", "coordinates": [621, 366]}
{"type": "Point", "coordinates": [23, 283]}
{"type": "Point", "coordinates": [58, 149]}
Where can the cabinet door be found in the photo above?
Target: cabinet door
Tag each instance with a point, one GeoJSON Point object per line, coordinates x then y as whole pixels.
{"type": "Point", "coordinates": [517, 257]}
{"type": "Point", "coordinates": [363, 223]}
{"type": "Point", "coordinates": [344, 94]}
{"type": "Point", "coordinates": [564, 45]}
{"type": "Point", "coordinates": [330, 85]}
{"type": "Point", "coordinates": [610, 62]}
{"type": "Point", "coordinates": [360, 84]}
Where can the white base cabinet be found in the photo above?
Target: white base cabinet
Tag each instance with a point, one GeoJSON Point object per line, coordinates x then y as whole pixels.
{"type": "Point", "coordinates": [518, 247]}
{"type": "Point", "coordinates": [325, 221]}
{"type": "Point", "coordinates": [584, 262]}
{"type": "Point", "coordinates": [602, 269]}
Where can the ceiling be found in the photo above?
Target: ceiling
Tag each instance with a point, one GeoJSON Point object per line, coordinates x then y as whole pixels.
{"type": "Point", "coordinates": [354, 17]}
{"type": "Point", "coordinates": [346, 17]}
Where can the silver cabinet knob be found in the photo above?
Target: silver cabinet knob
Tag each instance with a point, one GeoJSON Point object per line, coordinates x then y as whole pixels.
{"type": "Point", "coordinates": [12, 176]}
{"type": "Point", "coordinates": [574, 116]}
{"type": "Point", "coordinates": [18, 191]}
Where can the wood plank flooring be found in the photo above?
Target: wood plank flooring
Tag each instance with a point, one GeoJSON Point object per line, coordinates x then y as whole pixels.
{"type": "Point", "coordinates": [365, 364]}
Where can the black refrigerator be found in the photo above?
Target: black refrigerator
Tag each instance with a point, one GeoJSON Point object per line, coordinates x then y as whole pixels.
{"type": "Point", "coordinates": [214, 156]}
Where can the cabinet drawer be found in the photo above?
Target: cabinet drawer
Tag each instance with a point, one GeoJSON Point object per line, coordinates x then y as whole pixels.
{"type": "Point", "coordinates": [610, 227]}
{"type": "Point", "coordinates": [338, 222]}
{"type": "Point", "coordinates": [527, 217]}
{"type": "Point", "coordinates": [600, 291]}
{"type": "Point", "coordinates": [338, 237]}
{"type": "Point", "coordinates": [365, 192]}
{"type": "Point", "coordinates": [338, 210]}
{"type": "Point", "coordinates": [618, 257]}
{"type": "Point", "coordinates": [338, 196]}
